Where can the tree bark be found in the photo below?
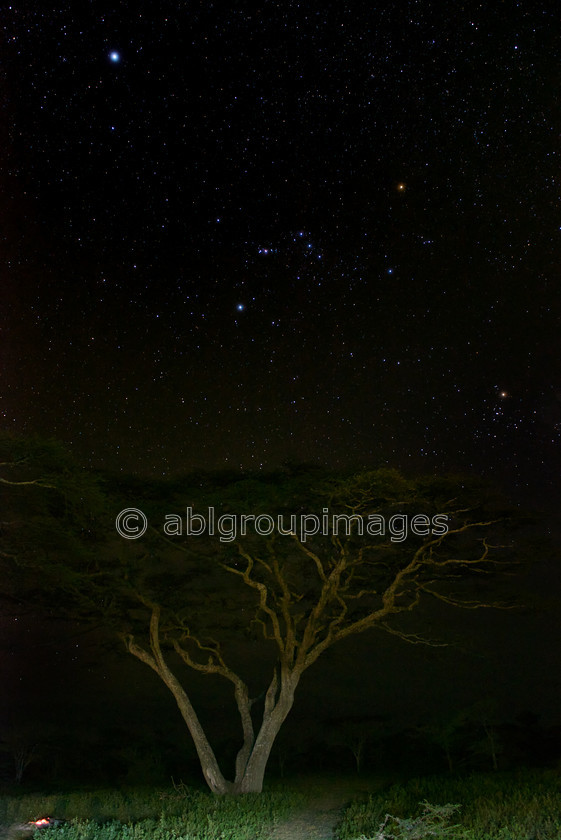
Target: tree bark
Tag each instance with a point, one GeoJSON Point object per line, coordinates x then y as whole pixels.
{"type": "Point", "coordinates": [253, 756]}
{"type": "Point", "coordinates": [252, 781]}
{"type": "Point", "coordinates": [155, 660]}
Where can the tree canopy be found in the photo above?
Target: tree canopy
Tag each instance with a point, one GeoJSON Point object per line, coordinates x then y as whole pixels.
{"type": "Point", "coordinates": [320, 557]}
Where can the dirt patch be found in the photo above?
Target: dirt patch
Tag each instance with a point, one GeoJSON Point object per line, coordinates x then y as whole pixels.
{"type": "Point", "coordinates": [317, 820]}
{"type": "Point", "coordinates": [16, 832]}
{"type": "Point", "coordinates": [309, 825]}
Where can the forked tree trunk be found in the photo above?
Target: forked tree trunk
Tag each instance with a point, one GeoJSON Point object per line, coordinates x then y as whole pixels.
{"type": "Point", "coordinates": [253, 756]}
{"type": "Point", "coordinates": [23, 756]}
{"type": "Point", "coordinates": [252, 780]}
{"type": "Point", "coordinates": [251, 771]}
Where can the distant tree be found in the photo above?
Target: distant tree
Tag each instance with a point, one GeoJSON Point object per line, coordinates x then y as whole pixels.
{"type": "Point", "coordinates": [21, 743]}
{"type": "Point", "coordinates": [293, 745]}
{"type": "Point", "coordinates": [486, 741]}
{"type": "Point", "coordinates": [24, 754]}
{"type": "Point", "coordinates": [469, 732]}
{"type": "Point", "coordinates": [355, 734]}
{"type": "Point", "coordinates": [448, 732]}
{"type": "Point", "coordinates": [178, 602]}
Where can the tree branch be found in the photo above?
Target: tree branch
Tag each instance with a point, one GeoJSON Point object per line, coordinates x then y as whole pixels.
{"type": "Point", "coordinates": [39, 482]}
{"type": "Point", "coordinates": [263, 591]}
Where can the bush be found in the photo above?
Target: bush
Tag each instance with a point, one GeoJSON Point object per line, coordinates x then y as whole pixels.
{"type": "Point", "coordinates": [432, 822]}
{"type": "Point", "coordinates": [493, 807]}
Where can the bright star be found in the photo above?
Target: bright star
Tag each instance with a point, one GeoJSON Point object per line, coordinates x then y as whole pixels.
{"type": "Point", "coordinates": [115, 57]}
{"type": "Point", "coordinates": [240, 307]}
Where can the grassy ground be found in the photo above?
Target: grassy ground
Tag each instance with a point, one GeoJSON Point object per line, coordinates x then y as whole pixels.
{"type": "Point", "coordinates": [494, 806]}
{"type": "Point", "coordinates": [139, 814]}
{"type": "Point", "coordinates": [499, 806]}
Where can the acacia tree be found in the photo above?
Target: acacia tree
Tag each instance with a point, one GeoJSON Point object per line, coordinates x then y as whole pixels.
{"type": "Point", "coordinates": [303, 595]}
{"type": "Point", "coordinates": [311, 594]}
{"type": "Point", "coordinates": [21, 743]}
{"type": "Point", "coordinates": [448, 733]}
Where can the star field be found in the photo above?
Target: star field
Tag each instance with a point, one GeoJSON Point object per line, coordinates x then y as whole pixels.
{"type": "Point", "coordinates": [292, 231]}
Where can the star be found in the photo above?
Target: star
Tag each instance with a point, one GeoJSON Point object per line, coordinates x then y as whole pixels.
{"type": "Point", "coordinates": [240, 307]}
{"type": "Point", "coordinates": [115, 57]}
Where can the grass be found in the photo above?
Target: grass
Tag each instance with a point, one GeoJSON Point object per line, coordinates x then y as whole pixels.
{"type": "Point", "coordinates": [184, 814]}
{"type": "Point", "coordinates": [498, 806]}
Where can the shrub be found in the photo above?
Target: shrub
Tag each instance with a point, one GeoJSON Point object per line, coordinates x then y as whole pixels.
{"type": "Point", "coordinates": [434, 821]}
{"type": "Point", "coordinates": [494, 806]}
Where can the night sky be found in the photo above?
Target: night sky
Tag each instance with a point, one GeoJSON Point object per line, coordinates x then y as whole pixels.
{"type": "Point", "coordinates": [236, 235]}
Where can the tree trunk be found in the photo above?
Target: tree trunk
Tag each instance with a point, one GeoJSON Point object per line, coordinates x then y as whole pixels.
{"type": "Point", "coordinates": [23, 756]}
{"type": "Point", "coordinates": [209, 765]}
{"type": "Point", "coordinates": [357, 750]}
{"type": "Point", "coordinates": [211, 771]}
{"type": "Point", "coordinates": [492, 745]}
{"type": "Point", "coordinates": [252, 780]}
{"type": "Point", "coordinates": [254, 754]}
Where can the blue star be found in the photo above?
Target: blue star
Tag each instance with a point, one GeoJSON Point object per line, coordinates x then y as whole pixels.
{"type": "Point", "coordinates": [115, 57]}
{"type": "Point", "coordinates": [240, 307]}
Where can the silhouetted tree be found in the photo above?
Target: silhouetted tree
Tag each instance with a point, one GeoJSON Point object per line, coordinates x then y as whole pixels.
{"type": "Point", "coordinates": [178, 603]}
